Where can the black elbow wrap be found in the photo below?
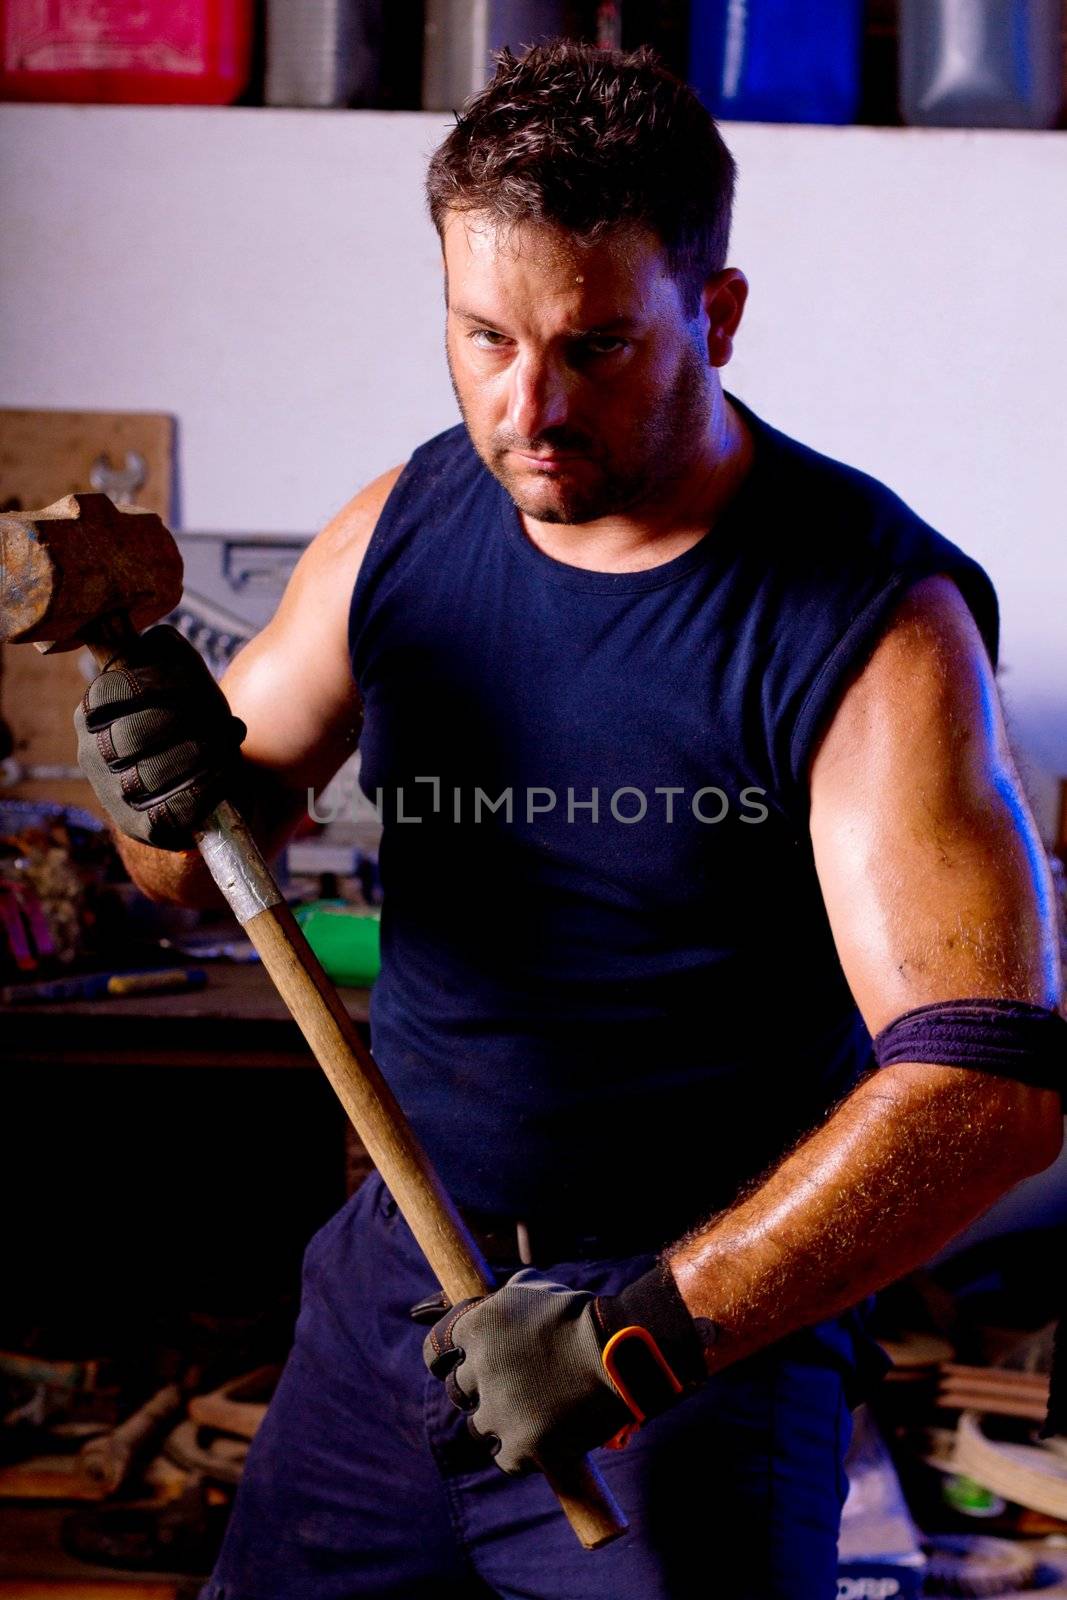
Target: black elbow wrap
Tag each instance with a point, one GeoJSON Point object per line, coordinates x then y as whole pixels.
{"type": "Point", "coordinates": [1009, 1038]}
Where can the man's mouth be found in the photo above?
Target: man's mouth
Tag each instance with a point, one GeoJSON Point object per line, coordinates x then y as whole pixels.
{"type": "Point", "coordinates": [551, 462]}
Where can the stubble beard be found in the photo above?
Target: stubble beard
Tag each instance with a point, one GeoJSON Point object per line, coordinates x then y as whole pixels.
{"type": "Point", "coordinates": [661, 450]}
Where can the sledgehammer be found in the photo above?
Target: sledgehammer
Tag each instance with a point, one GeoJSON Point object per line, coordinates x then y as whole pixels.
{"type": "Point", "coordinates": [81, 572]}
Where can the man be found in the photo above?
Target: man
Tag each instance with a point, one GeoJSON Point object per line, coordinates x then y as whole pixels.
{"type": "Point", "coordinates": [694, 780]}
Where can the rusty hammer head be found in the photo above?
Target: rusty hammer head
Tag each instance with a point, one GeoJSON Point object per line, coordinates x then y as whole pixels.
{"type": "Point", "coordinates": [79, 565]}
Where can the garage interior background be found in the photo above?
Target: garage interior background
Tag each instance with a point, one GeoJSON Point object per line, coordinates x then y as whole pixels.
{"type": "Point", "coordinates": [270, 279]}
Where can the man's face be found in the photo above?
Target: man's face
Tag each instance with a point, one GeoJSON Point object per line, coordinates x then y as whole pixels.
{"type": "Point", "coordinates": [584, 386]}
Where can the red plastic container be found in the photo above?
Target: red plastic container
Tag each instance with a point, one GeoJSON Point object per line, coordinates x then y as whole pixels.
{"type": "Point", "coordinates": [125, 52]}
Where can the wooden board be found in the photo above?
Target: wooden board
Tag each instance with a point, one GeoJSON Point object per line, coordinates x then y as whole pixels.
{"type": "Point", "coordinates": [47, 454]}
{"type": "Point", "coordinates": [43, 456]}
{"type": "Point", "coordinates": [1028, 1475]}
{"type": "Point", "coordinates": [47, 1478]}
{"type": "Point", "coordinates": [85, 1589]}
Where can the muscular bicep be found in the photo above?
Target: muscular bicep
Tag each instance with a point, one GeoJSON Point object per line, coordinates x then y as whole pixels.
{"type": "Point", "coordinates": [931, 868]}
{"type": "Point", "coordinates": [292, 684]}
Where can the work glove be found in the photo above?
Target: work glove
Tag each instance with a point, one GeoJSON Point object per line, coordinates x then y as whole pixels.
{"type": "Point", "coordinates": [157, 740]}
{"type": "Point", "coordinates": [546, 1372]}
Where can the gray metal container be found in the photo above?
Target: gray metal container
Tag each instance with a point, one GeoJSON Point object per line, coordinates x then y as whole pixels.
{"type": "Point", "coordinates": [980, 63]}
{"type": "Point", "coordinates": [323, 52]}
{"type": "Point", "coordinates": [461, 37]}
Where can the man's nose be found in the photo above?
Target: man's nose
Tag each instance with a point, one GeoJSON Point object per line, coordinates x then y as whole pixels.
{"type": "Point", "coordinates": [540, 397]}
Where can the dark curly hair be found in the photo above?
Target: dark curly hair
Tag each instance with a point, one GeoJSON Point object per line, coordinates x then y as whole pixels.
{"type": "Point", "coordinates": [592, 140]}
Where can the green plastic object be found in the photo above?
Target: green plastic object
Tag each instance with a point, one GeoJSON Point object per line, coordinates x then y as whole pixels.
{"type": "Point", "coordinates": [346, 941]}
{"type": "Point", "coordinates": [970, 1498]}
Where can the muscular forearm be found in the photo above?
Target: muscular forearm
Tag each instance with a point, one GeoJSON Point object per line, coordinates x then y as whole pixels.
{"type": "Point", "coordinates": [913, 1156]}
{"type": "Point", "coordinates": [177, 877]}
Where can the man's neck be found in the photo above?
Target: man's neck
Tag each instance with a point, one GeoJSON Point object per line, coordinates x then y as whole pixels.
{"type": "Point", "coordinates": [654, 534]}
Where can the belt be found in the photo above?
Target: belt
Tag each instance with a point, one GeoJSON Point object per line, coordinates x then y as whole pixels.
{"type": "Point", "coordinates": [519, 1241]}
{"type": "Point", "coordinates": [508, 1243]}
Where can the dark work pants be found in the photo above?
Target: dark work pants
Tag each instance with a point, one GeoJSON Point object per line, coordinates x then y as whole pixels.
{"type": "Point", "coordinates": [363, 1480]}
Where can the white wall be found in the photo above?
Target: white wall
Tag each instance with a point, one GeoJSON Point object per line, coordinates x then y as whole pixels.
{"type": "Point", "coordinates": [269, 277]}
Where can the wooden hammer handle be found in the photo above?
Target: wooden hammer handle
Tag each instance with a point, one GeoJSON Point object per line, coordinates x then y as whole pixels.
{"type": "Point", "coordinates": [234, 861]}
{"type": "Point", "coordinates": [370, 1103]}
{"type": "Point", "coordinates": [244, 878]}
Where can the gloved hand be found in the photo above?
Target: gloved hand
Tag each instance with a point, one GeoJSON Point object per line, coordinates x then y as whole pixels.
{"type": "Point", "coordinates": [157, 740]}
{"type": "Point", "coordinates": [547, 1372]}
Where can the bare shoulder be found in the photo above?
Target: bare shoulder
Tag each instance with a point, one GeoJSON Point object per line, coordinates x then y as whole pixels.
{"type": "Point", "coordinates": [926, 696]}
{"type": "Point", "coordinates": [928, 857]}
{"type": "Point", "coordinates": [292, 684]}
{"type": "Point", "coordinates": [334, 556]}
{"type": "Point", "coordinates": [320, 587]}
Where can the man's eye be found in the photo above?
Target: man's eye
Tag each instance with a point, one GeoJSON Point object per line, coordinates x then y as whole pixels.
{"type": "Point", "coordinates": [602, 345]}
{"type": "Point", "coordinates": [487, 339]}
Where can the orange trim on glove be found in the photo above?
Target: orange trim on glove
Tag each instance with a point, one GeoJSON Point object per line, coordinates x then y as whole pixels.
{"type": "Point", "coordinates": [626, 1338]}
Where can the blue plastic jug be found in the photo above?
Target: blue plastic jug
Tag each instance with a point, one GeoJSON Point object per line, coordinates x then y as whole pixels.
{"type": "Point", "coordinates": [777, 61]}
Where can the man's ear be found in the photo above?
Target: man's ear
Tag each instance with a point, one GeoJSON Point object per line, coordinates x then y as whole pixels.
{"type": "Point", "coordinates": [723, 300]}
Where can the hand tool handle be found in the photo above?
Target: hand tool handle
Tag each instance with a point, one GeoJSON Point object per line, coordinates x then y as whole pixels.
{"type": "Point", "coordinates": [108, 1459]}
{"type": "Point", "coordinates": [398, 1155]}
{"type": "Point", "coordinates": [237, 866]}
{"type": "Point", "coordinates": [373, 1110]}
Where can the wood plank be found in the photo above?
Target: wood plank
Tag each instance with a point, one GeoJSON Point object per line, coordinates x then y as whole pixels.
{"type": "Point", "coordinates": [995, 1377]}
{"type": "Point", "coordinates": [47, 454]}
{"type": "Point", "coordinates": [85, 1589]}
{"type": "Point", "coordinates": [47, 1478]}
{"type": "Point", "coordinates": [1029, 1475]}
{"type": "Point", "coordinates": [993, 1405]}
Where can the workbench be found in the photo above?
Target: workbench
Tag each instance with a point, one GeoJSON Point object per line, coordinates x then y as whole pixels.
{"type": "Point", "coordinates": [237, 1020]}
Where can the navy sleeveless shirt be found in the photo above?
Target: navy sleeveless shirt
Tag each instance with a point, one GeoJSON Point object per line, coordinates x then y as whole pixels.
{"type": "Point", "coordinates": [609, 988]}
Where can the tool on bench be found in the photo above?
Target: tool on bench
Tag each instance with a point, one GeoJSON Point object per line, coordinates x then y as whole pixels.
{"type": "Point", "coordinates": [109, 1458]}
{"type": "Point", "coordinates": [104, 986]}
{"type": "Point", "coordinates": [81, 572]}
